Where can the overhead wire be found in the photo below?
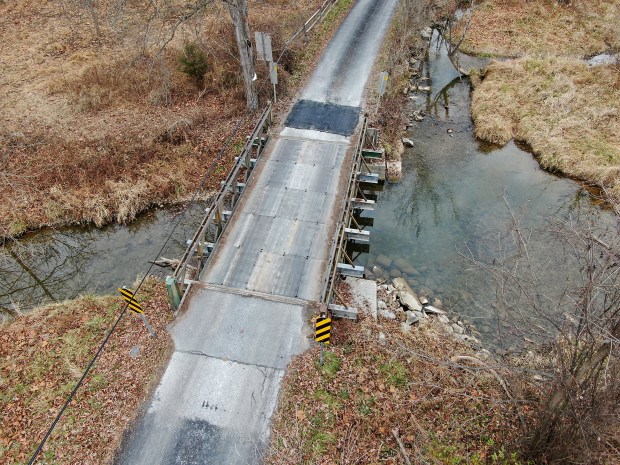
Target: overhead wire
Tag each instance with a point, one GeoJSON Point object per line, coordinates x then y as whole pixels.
{"type": "Point", "coordinates": [210, 171]}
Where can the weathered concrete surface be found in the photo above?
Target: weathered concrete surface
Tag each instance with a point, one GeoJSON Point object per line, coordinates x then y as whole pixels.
{"type": "Point", "coordinates": [278, 239]}
{"type": "Point", "coordinates": [363, 295]}
{"type": "Point", "coordinates": [220, 389]}
{"type": "Point", "coordinates": [242, 323]}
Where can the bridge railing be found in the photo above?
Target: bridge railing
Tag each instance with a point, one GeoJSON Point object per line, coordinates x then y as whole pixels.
{"type": "Point", "coordinates": [308, 25]}
{"type": "Point", "coordinates": [217, 217]}
{"type": "Point", "coordinates": [338, 252]}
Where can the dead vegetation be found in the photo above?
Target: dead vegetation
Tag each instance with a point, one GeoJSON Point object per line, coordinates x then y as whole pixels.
{"type": "Point", "coordinates": [42, 356]}
{"type": "Point", "coordinates": [550, 99]}
{"type": "Point", "coordinates": [98, 120]}
{"type": "Point", "coordinates": [513, 28]}
{"type": "Point", "coordinates": [576, 327]}
{"type": "Point", "coordinates": [418, 398]}
{"type": "Point", "coordinates": [564, 110]}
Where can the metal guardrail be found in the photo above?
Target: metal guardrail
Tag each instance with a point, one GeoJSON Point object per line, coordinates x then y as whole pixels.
{"type": "Point", "coordinates": [312, 21]}
{"type": "Point", "coordinates": [198, 252]}
{"type": "Point", "coordinates": [337, 250]}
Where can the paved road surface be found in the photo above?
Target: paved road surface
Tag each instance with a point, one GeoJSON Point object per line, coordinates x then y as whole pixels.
{"type": "Point", "coordinates": [248, 316]}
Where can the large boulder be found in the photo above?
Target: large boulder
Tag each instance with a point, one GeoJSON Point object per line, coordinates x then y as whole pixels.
{"type": "Point", "coordinates": [406, 295]}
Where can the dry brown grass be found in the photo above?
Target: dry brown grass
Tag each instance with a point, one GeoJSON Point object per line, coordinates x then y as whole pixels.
{"type": "Point", "coordinates": [85, 120]}
{"type": "Point", "coordinates": [42, 357]}
{"type": "Point", "coordinates": [567, 113]}
{"type": "Point", "coordinates": [346, 411]}
{"type": "Point", "coordinates": [514, 28]}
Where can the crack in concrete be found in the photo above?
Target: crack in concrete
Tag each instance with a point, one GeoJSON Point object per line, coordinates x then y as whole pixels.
{"type": "Point", "coordinates": [256, 365]}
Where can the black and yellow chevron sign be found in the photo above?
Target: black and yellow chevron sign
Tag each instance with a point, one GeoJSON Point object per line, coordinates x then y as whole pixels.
{"type": "Point", "coordinates": [322, 330]}
{"type": "Point", "coordinates": [133, 303]}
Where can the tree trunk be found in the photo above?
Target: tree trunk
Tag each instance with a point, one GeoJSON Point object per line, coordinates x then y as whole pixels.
{"type": "Point", "coordinates": [239, 14]}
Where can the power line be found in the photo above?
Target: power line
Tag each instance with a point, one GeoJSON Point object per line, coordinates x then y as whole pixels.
{"type": "Point", "coordinates": [113, 328]}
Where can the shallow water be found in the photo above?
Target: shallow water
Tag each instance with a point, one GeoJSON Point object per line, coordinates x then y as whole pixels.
{"type": "Point", "coordinates": [453, 201]}
{"type": "Point", "coordinates": [53, 265]}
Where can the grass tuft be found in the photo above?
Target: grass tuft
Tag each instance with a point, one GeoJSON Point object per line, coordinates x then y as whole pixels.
{"type": "Point", "coordinates": [331, 364]}
{"type": "Point", "coordinates": [567, 112]}
{"type": "Point", "coordinates": [514, 28]}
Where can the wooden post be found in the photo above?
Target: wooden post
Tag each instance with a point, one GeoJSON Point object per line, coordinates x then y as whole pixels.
{"type": "Point", "coordinates": [218, 220]}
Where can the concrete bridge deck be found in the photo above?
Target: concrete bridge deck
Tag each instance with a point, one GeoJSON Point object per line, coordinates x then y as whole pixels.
{"type": "Point", "coordinates": [249, 314]}
{"type": "Point", "coordinates": [278, 241]}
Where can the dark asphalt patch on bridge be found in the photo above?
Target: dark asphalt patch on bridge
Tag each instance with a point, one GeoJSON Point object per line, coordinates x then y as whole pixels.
{"type": "Point", "coordinates": [324, 117]}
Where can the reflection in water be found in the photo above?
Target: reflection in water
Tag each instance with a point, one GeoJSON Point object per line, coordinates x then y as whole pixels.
{"type": "Point", "coordinates": [54, 265]}
{"type": "Point", "coordinates": [457, 198]}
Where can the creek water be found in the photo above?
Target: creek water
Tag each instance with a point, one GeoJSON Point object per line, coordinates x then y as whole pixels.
{"type": "Point", "coordinates": [54, 265]}
{"type": "Point", "coordinates": [453, 201]}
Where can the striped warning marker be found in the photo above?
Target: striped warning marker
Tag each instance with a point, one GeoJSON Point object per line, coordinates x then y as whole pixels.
{"type": "Point", "coordinates": [133, 303]}
{"type": "Point", "coordinates": [322, 330]}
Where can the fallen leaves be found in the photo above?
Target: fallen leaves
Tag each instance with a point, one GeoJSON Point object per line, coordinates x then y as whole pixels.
{"type": "Point", "coordinates": [43, 354]}
{"type": "Point", "coordinates": [438, 411]}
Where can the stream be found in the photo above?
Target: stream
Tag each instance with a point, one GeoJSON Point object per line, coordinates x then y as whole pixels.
{"type": "Point", "coordinates": [456, 199]}
{"type": "Point", "coordinates": [57, 264]}
{"type": "Point", "coordinates": [453, 201]}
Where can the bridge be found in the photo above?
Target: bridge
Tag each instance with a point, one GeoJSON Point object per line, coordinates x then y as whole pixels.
{"type": "Point", "coordinates": [266, 253]}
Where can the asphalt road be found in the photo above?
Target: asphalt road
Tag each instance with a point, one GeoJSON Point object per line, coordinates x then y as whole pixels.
{"type": "Point", "coordinates": [249, 314]}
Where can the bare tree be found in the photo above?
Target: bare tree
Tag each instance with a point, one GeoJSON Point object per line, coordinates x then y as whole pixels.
{"type": "Point", "coordinates": [238, 11]}
{"type": "Point", "coordinates": [239, 14]}
{"type": "Point", "coordinates": [579, 415]}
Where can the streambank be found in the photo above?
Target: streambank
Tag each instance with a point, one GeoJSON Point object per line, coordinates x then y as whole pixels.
{"type": "Point", "coordinates": [559, 91]}
{"type": "Point", "coordinates": [56, 265]}
{"type": "Point", "coordinates": [42, 356]}
{"type": "Point", "coordinates": [97, 131]}
{"type": "Point", "coordinates": [394, 392]}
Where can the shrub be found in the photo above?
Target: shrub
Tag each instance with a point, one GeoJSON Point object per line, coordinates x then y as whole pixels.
{"type": "Point", "coordinates": [193, 62]}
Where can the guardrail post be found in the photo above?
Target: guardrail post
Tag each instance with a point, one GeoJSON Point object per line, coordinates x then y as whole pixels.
{"type": "Point", "coordinates": [174, 295]}
{"type": "Point", "coordinates": [218, 220]}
